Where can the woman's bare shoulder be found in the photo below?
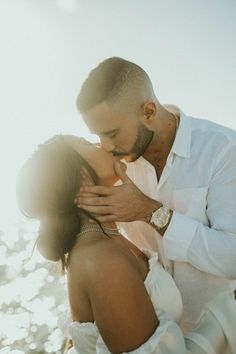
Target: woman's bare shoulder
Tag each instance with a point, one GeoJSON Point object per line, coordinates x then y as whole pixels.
{"type": "Point", "coordinates": [104, 254]}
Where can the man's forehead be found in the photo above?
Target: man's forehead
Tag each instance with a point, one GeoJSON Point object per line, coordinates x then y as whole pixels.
{"type": "Point", "coordinates": [101, 119]}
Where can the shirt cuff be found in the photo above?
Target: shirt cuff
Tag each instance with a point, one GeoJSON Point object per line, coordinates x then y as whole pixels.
{"type": "Point", "coordinates": [178, 237]}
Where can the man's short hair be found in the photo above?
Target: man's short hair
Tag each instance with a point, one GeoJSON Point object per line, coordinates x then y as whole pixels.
{"type": "Point", "coordinates": [113, 79]}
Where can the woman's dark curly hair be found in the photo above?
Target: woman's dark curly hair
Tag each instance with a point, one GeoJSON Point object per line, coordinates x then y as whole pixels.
{"type": "Point", "coordinates": [46, 187]}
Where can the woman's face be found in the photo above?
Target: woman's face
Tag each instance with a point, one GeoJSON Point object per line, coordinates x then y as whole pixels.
{"type": "Point", "coordinates": [100, 160]}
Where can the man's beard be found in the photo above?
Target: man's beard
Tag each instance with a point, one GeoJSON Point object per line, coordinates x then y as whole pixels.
{"type": "Point", "coordinates": [144, 138]}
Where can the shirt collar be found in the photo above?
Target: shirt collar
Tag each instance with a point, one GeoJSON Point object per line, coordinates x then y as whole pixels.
{"type": "Point", "coordinates": [182, 142]}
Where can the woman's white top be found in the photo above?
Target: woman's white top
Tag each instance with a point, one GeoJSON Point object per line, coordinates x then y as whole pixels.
{"type": "Point", "coordinates": [214, 334]}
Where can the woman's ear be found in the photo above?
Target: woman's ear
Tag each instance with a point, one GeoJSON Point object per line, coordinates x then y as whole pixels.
{"type": "Point", "coordinates": [87, 179]}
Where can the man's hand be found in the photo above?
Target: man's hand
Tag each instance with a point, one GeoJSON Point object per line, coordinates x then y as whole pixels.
{"type": "Point", "coordinates": [119, 203]}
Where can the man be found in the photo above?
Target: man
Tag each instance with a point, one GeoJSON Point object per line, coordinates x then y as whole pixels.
{"type": "Point", "coordinates": [180, 196]}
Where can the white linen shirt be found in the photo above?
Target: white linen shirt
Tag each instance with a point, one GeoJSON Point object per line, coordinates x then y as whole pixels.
{"type": "Point", "coordinates": [199, 184]}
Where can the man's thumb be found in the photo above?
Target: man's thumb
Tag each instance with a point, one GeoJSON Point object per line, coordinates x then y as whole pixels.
{"type": "Point", "coordinates": [120, 170]}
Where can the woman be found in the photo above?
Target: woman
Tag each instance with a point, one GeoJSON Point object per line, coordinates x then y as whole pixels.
{"type": "Point", "coordinates": [121, 299]}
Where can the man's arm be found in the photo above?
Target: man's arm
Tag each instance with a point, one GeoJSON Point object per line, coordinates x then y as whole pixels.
{"type": "Point", "coordinates": [209, 248]}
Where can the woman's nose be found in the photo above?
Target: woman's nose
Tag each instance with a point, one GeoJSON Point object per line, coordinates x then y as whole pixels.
{"type": "Point", "coordinates": [107, 144]}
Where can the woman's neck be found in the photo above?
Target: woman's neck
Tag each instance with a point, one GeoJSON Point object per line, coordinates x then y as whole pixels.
{"type": "Point", "coordinates": [86, 220]}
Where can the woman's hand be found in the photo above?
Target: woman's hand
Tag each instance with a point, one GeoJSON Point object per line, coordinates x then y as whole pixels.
{"type": "Point", "coordinates": [68, 346]}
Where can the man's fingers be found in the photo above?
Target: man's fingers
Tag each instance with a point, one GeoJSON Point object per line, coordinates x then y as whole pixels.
{"type": "Point", "coordinates": [98, 190]}
{"type": "Point", "coordinates": [80, 200]}
{"type": "Point", "coordinates": [82, 195]}
{"type": "Point", "coordinates": [106, 218]}
{"type": "Point", "coordinates": [96, 210]}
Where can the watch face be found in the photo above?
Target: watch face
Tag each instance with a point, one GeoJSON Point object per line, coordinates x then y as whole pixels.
{"type": "Point", "coordinates": [160, 217]}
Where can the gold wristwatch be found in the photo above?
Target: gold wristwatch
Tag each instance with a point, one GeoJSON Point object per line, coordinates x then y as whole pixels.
{"type": "Point", "coordinates": [160, 217]}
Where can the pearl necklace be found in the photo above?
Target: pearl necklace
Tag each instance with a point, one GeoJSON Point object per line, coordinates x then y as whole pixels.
{"type": "Point", "coordinates": [86, 228]}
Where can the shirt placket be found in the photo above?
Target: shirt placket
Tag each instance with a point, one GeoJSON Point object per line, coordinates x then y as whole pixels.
{"type": "Point", "coordinates": [167, 264]}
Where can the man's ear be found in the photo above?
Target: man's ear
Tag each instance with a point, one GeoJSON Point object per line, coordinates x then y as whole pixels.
{"type": "Point", "coordinates": [148, 112]}
{"type": "Point", "coordinates": [87, 179]}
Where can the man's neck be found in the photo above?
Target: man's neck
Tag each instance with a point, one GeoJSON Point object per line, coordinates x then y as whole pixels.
{"type": "Point", "coordinates": [165, 132]}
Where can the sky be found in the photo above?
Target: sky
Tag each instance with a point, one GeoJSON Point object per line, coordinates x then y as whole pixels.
{"type": "Point", "coordinates": [48, 47]}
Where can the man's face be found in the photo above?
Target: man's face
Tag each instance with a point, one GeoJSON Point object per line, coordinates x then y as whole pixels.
{"type": "Point", "coordinates": [119, 133]}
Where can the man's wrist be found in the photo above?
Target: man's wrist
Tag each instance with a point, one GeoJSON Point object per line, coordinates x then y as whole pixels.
{"type": "Point", "coordinates": [152, 205]}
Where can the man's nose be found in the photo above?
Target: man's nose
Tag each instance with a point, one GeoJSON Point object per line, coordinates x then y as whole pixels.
{"type": "Point", "coordinates": [107, 144]}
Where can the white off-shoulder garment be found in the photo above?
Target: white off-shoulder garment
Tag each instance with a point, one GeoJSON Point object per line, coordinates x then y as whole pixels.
{"type": "Point", "coordinates": [214, 334]}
